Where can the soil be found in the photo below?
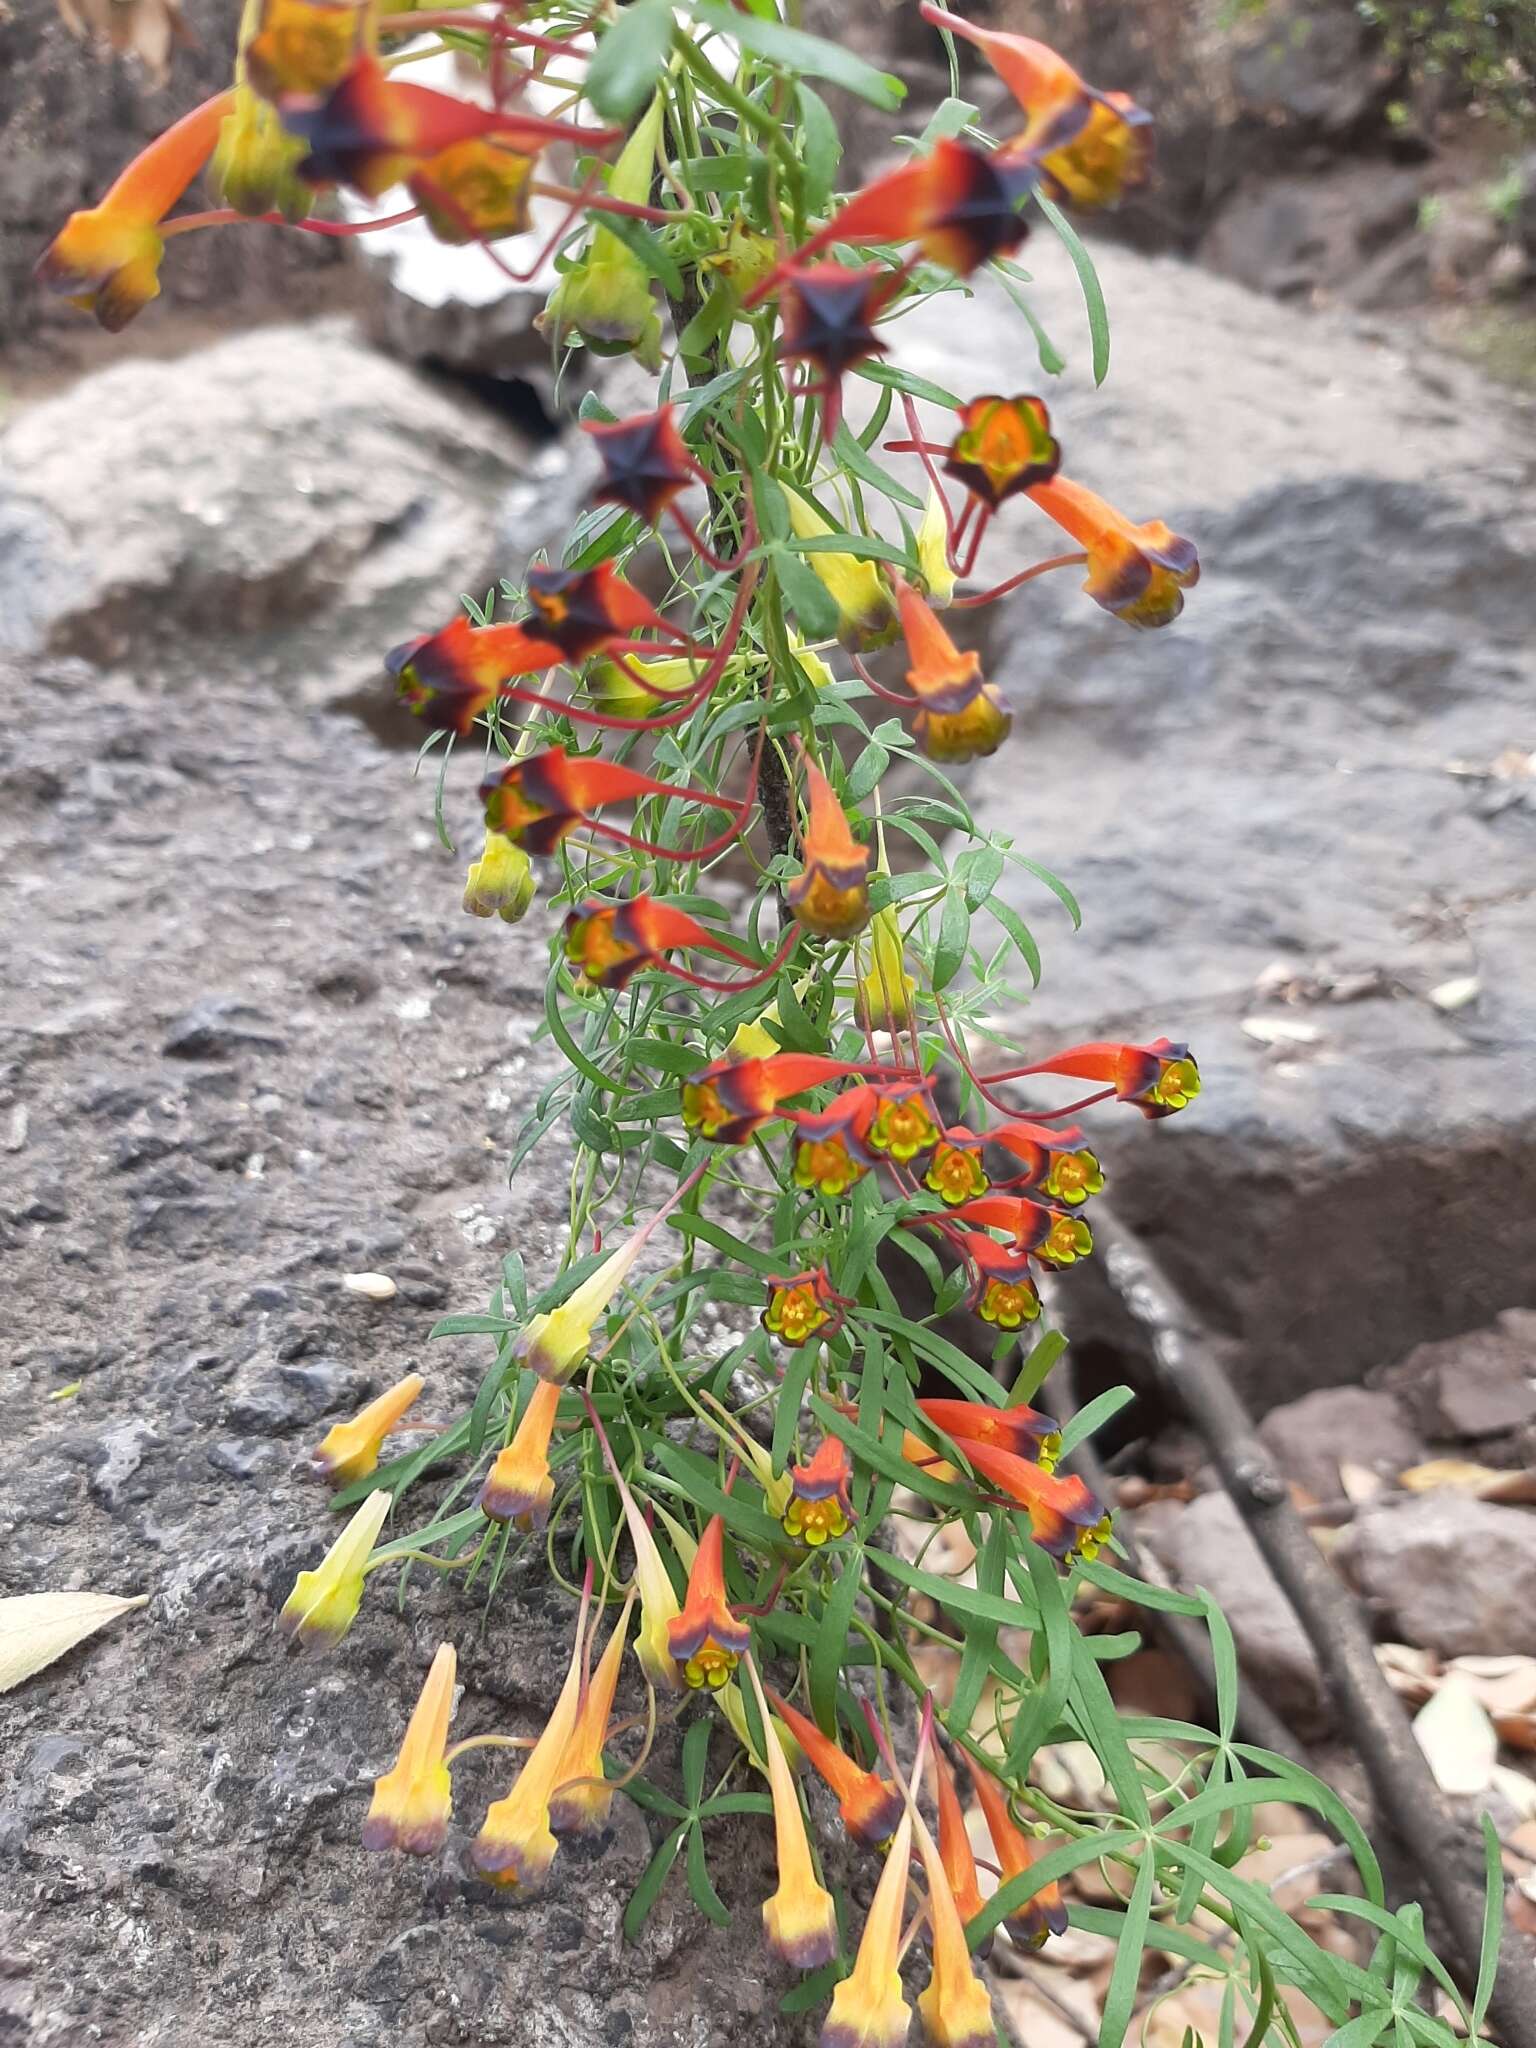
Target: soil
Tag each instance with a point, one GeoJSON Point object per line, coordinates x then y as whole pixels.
{"type": "Point", "coordinates": [251, 1045]}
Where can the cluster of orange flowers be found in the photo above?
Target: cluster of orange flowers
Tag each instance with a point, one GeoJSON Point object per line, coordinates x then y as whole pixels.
{"type": "Point", "coordinates": [315, 107]}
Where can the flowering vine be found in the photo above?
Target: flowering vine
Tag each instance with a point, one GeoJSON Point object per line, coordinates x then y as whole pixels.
{"type": "Point", "coordinates": [774, 962]}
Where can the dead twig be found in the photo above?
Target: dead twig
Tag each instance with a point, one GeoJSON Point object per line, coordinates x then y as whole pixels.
{"type": "Point", "coordinates": [1448, 1858]}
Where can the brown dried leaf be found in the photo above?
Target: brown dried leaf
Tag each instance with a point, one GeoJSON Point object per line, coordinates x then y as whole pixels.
{"type": "Point", "coordinates": [1359, 1482]}
{"type": "Point", "coordinates": [1505, 1685]}
{"type": "Point", "coordinates": [1515, 1489]}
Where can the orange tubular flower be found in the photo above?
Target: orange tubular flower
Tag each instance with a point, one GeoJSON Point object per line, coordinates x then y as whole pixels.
{"type": "Point", "coordinates": [448, 678]}
{"type": "Point", "coordinates": [1139, 573]}
{"type": "Point", "coordinates": [1043, 1915]}
{"type": "Point", "coordinates": [831, 895]}
{"type": "Point", "coordinates": [1023, 1431]}
{"type": "Point", "coordinates": [581, 1799]}
{"type": "Point", "coordinates": [1158, 1078]}
{"type": "Point", "coordinates": [476, 190]}
{"type": "Point", "coordinates": [303, 46]}
{"type": "Point", "coordinates": [1049, 1161]}
{"type": "Point", "coordinates": [830, 1152]}
{"type": "Point", "coordinates": [869, 1806]}
{"type": "Point", "coordinates": [960, 204]}
{"type": "Point", "coordinates": [349, 1450]}
{"type": "Point", "coordinates": [611, 942]}
{"type": "Point", "coordinates": [518, 1488]}
{"type": "Point", "coordinates": [730, 1099]}
{"type": "Point", "coordinates": [827, 314]}
{"type": "Point", "coordinates": [868, 2009]}
{"type": "Point", "coordinates": [413, 1802]}
{"type": "Point", "coordinates": [106, 258]}
{"type": "Point", "coordinates": [1003, 1293]}
{"type": "Point", "coordinates": [801, 1918]}
{"type": "Point", "coordinates": [1004, 445]}
{"type": "Point", "coordinates": [373, 131]}
{"type": "Point", "coordinates": [706, 1638]}
{"type": "Point", "coordinates": [1091, 145]}
{"type": "Point", "coordinates": [955, 1852]}
{"type": "Point", "coordinates": [1057, 1238]}
{"type": "Point", "coordinates": [543, 798]}
{"type": "Point", "coordinates": [1064, 1517]}
{"type": "Point", "coordinates": [956, 2007]}
{"type": "Point", "coordinates": [820, 1507]}
{"type": "Point", "coordinates": [955, 1172]}
{"type": "Point", "coordinates": [960, 716]}
{"type": "Point", "coordinates": [516, 1844]}
{"type": "Point", "coordinates": [802, 1307]}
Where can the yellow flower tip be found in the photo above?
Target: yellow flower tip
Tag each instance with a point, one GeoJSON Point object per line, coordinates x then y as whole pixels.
{"type": "Point", "coordinates": [959, 2015]}
{"type": "Point", "coordinates": [252, 167]}
{"type": "Point", "coordinates": [866, 610]}
{"type": "Point", "coordinates": [303, 47]}
{"type": "Point", "coordinates": [518, 1488]}
{"type": "Point", "coordinates": [1068, 1240]}
{"type": "Point", "coordinates": [581, 1798]}
{"type": "Point", "coordinates": [933, 553]}
{"type": "Point", "coordinates": [1110, 155]}
{"type": "Point", "coordinates": [814, 1522]}
{"type": "Point", "coordinates": [412, 1803]}
{"type": "Point", "coordinates": [902, 1127]}
{"type": "Point", "coordinates": [801, 1925]}
{"type": "Point", "coordinates": [831, 901]}
{"type": "Point", "coordinates": [1009, 1303]}
{"type": "Point", "coordinates": [516, 1845]}
{"type": "Point", "coordinates": [967, 735]}
{"type": "Point", "coordinates": [1176, 1086]}
{"type": "Point", "coordinates": [501, 883]}
{"type": "Point", "coordinates": [956, 1174]}
{"type": "Point", "coordinates": [827, 1165]}
{"type": "Point", "coordinates": [476, 190]}
{"type": "Point", "coordinates": [350, 1450]}
{"type": "Point", "coordinates": [324, 1602]}
{"type": "Point", "coordinates": [1074, 1176]}
{"type": "Point", "coordinates": [810, 665]}
{"type": "Point", "coordinates": [556, 1343]}
{"type": "Point", "coordinates": [753, 1040]}
{"type": "Point", "coordinates": [104, 262]}
{"type": "Point", "coordinates": [867, 2016]}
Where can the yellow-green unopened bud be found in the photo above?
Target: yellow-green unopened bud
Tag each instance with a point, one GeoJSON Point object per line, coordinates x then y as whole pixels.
{"type": "Point", "coordinates": [252, 164]}
{"type": "Point", "coordinates": [933, 554]}
{"type": "Point", "coordinates": [866, 613]}
{"type": "Point", "coordinates": [883, 1000]}
{"type": "Point", "coordinates": [605, 300]}
{"type": "Point", "coordinates": [501, 882]}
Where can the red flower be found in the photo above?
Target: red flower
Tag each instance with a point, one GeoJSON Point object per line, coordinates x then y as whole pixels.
{"type": "Point", "coordinates": [706, 1638]}
{"type": "Point", "coordinates": [1022, 1430]}
{"type": "Point", "coordinates": [831, 895]}
{"type": "Point", "coordinates": [645, 464]}
{"type": "Point", "coordinates": [540, 799]}
{"type": "Point", "coordinates": [1158, 1078]}
{"type": "Point", "coordinates": [611, 942]}
{"type": "Point", "coordinates": [828, 315]}
{"type": "Point", "coordinates": [1139, 573]}
{"type": "Point", "coordinates": [730, 1099]}
{"type": "Point", "coordinates": [803, 1306]}
{"type": "Point", "coordinates": [1043, 1915]}
{"type": "Point", "coordinates": [870, 1806]}
{"type": "Point", "coordinates": [1004, 445]}
{"type": "Point", "coordinates": [819, 1506]}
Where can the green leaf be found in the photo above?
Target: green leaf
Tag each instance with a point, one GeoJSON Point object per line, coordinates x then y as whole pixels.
{"type": "Point", "coordinates": [695, 1761]}
{"type": "Point", "coordinates": [1493, 1923]}
{"type": "Point", "coordinates": [1088, 278]}
{"type": "Point", "coordinates": [850, 452]}
{"type": "Point", "coordinates": [1124, 1978]}
{"type": "Point", "coordinates": [805, 55]}
{"type": "Point", "coordinates": [866, 771]}
{"type": "Point", "coordinates": [903, 380]}
{"type": "Point", "coordinates": [1051, 1868]}
{"type": "Point", "coordinates": [821, 147]}
{"type": "Point", "coordinates": [709, 323]}
{"type": "Point", "coordinates": [490, 1387]}
{"type": "Point", "coordinates": [1035, 1370]}
{"type": "Point", "coordinates": [1057, 887]}
{"type": "Point", "coordinates": [1094, 1416]}
{"type": "Point", "coordinates": [1019, 932]}
{"type": "Point", "coordinates": [954, 1597]}
{"type": "Point", "coordinates": [808, 597]}
{"type": "Point", "coordinates": [629, 58]}
{"type": "Point", "coordinates": [470, 1326]}
{"type": "Point", "coordinates": [981, 1636]}
{"type": "Point", "coordinates": [648, 1890]}
{"type": "Point", "coordinates": [947, 119]}
{"type": "Point", "coordinates": [864, 547]}
{"type": "Point", "coordinates": [954, 935]}
{"type": "Point", "coordinates": [829, 1648]}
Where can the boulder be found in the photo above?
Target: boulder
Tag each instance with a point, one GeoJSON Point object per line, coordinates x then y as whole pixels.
{"type": "Point", "coordinates": [1360, 1425]}
{"type": "Point", "coordinates": [1474, 1386]}
{"type": "Point", "coordinates": [1446, 1573]}
{"type": "Point", "coordinates": [1208, 1545]}
{"type": "Point", "coordinates": [1298, 819]}
{"type": "Point", "coordinates": [335, 503]}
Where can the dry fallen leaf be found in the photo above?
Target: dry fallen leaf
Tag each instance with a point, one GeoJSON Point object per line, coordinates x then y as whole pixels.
{"type": "Point", "coordinates": [1359, 1482]}
{"type": "Point", "coordinates": [1457, 1738]}
{"type": "Point", "coordinates": [1517, 1789]}
{"type": "Point", "coordinates": [37, 1628]}
{"type": "Point", "coordinates": [1515, 1489]}
{"type": "Point", "coordinates": [1505, 1685]}
{"type": "Point", "coordinates": [146, 27]}
{"type": "Point", "coordinates": [1412, 1673]}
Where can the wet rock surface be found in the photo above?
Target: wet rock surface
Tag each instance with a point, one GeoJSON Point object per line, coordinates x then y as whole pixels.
{"type": "Point", "coordinates": [1300, 820]}
{"type": "Point", "coordinates": [250, 1044]}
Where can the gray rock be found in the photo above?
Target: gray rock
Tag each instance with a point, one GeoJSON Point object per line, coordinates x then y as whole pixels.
{"type": "Point", "coordinates": [1468, 1387]}
{"type": "Point", "coordinates": [1285, 799]}
{"type": "Point", "coordinates": [1326, 234]}
{"type": "Point", "coordinates": [1452, 1575]}
{"type": "Point", "coordinates": [1209, 1546]}
{"type": "Point", "coordinates": [335, 503]}
{"type": "Point", "coordinates": [1359, 1424]}
{"type": "Point", "coordinates": [215, 1028]}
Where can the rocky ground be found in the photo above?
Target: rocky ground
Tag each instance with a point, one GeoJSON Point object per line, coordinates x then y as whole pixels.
{"type": "Point", "coordinates": [251, 1045]}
